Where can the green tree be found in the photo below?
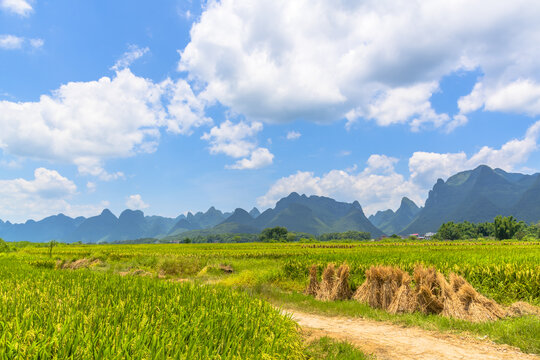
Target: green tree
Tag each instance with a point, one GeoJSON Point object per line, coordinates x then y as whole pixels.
{"type": "Point", "coordinates": [52, 244]}
{"type": "Point", "coordinates": [291, 237]}
{"type": "Point", "coordinates": [485, 229]}
{"type": "Point", "coordinates": [278, 233]}
{"type": "Point", "coordinates": [449, 231]}
{"type": "Point", "coordinates": [505, 227]}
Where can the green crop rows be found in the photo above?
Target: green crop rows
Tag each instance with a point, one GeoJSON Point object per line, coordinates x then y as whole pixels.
{"type": "Point", "coordinates": [90, 315]}
{"type": "Point", "coordinates": [184, 306]}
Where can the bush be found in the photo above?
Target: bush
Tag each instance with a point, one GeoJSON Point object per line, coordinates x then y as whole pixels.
{"type": "Point", "coordinates": [4, 247]}
{"type": "Point", "coordinates": [180, 266]}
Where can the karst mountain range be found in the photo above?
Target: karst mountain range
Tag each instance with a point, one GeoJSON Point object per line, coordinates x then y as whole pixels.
{"type": "Point", "coordinates": [475, 195]}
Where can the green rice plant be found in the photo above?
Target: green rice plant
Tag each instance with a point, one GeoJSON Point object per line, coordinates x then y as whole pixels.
{"type": "Point", "coordinates": [85, 314]}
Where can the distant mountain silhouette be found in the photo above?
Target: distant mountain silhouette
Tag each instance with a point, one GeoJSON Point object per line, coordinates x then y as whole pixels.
{"type": "Point", "coordinates": [477, 196]}
{"type": "Point", "coordinates": [49, 228]}
{"type": "Point", "coordinates": [315, 215]}
{"type": "Point", "coordinates": [254, 212]}
{"type": "Point", "coordinates": [394, 222]}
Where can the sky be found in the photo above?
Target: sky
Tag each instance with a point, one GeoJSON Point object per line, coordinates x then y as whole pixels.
{"type": "Point", "coordinates": [175, 106]}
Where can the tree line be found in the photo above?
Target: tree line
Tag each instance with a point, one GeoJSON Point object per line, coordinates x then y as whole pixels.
{"type": "Point", "coordinates": [502, 228]}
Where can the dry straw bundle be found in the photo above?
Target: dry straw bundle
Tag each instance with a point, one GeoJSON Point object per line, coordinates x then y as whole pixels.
{"type": "Point", "coordinates": [334, 284]}
{"type": "Point", "coordinates": [390, 288]}
{"type": "Point", "coordinates": [314, 285]}
{"type": "Point", "coordinates": [382, 286]}
{"type": "Point", "coordinates": [342, 290]}
{"type": "Point", "coordinates": [327, 283]}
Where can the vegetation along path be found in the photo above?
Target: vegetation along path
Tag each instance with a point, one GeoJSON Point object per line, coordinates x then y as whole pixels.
{"type": "Point", "coordinates": [389, 341]}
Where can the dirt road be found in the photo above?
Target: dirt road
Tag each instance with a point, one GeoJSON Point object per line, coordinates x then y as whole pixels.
{"type": "Point", "coordinates": [389, 341]}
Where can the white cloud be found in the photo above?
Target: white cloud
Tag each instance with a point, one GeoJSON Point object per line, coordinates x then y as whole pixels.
{"type": "Point", "coordinates": [136, 202]}
{"type": "Point", "coordinates": [19, 7]}
{"type": "Point", "coordinates": [91, 186]}
{"type": "Point", "coordinates": [11, 42]}
{"type": "Point", "coordinates": [236, 140]}
{"type": "Point", "coordinates": [402, 105]}
{"type": "Point", "coordinates": [519, 96]}
{"type": "Point", "coordinates": [378, 186]}
{"type": "Point", "coordinates": [278, 61]}
{"type": "Point", "coordinates": [46, 184]}
{"type": "Point", "coordinates": [259, 158]}
{"type": "Point", "coordinates": [36, 43]}
{"type": "Point", "coordinates": [233, 139]}
{"type": "Point", "coordinates": [134, 52]}
{"type": "Point", "coordinates": [42, 196]}
{"type": "Point", "coordinates": [186, 110]}
{"type": "Point", "coordinates": [426, 167]}
{"type": "Point", "coordinates": [86, 123]}
{"type": "Point", "coordinates": [293, 135]}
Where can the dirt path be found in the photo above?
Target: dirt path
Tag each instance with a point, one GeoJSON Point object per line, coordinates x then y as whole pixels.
{"type": "Point", "coordinates": [389, 341]}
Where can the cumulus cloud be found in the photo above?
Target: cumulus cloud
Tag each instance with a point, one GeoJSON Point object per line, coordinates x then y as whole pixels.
{"type": "Point", "coordinates": [293, 135]}
{"type": "Point", "coordinates": [186, 110]}
{"type": "Point", "coordinates": [136, 202]}
{"type": "Point", "coordinates": [376, 186]}
{"type": "Point", "coordinates": [379, 186]}
{"type": "Point", "coordinates": [86, 123]}
{"type": "Point", "coordinates": [237, 141]}
{"type": "Point", "coordinates": [519, 96]}
{"type": "Point", "coordinates": [278, 61]}
{"type": "Point", "coordinates": [19, 7]}
{"type": "Point", "coordinates": [11, 42]}
{"type": "Point", "coordinates": [134, 52]}
{"type": "Point", "coordinates": [49, 192]}
{"type": "Point", "coordinates": [426, 167]}
{"type": "Point", "coordinates": [36, 43]}
{"type": "Point", "coordinates": [259, 158]}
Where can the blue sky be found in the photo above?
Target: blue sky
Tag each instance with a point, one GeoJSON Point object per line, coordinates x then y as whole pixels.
{"type": "Point", "coordinates": [176, 106]}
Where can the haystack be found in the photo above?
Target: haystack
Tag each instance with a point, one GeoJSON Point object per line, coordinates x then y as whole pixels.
{"type": "Point", "coordinates": [521, 308]}
{"type": "Point", "coordinates": [434, 295]}
{"type": "Point", "coordinates": [342, 290]}
{"type": "Point", "coordinates": [381, 285]}
{"type": "Point", "coordinates": [327, 284]}
{"type": "Point", "coordinates": [476, 306]}
{"type": "Point", "coordinates": [78, 264]}
{"type": "Point", "coordinates": [313, 286]}
{"type": "Point", "coordinates": [389, 288]}
{"type": "Point", "coordinates": [403, 301]}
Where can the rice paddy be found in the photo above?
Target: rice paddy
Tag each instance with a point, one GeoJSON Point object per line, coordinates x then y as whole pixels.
{"type": "Point", "coordinates": [205, 301]}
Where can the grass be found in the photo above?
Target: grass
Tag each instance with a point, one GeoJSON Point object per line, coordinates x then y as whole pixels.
{"type": "Point", "coordinates": [522, 332]}
{"type": "Point", "coordinates": [326, 348]}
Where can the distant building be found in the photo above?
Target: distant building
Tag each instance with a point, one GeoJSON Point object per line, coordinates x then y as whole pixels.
{"type": "Point", "coordinates": [429, 235]}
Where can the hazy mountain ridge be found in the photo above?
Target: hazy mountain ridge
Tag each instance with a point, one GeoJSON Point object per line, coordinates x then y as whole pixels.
{"type": "Point", "coordinates": [476, 195]}
{"type": "Point", "coordinates": [314, 214]}
{"type": "Point", "coordinates": [391, 222]}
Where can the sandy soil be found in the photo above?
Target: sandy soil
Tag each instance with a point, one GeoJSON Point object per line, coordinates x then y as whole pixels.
{"type": "Point", "coordinates": [390, 341]}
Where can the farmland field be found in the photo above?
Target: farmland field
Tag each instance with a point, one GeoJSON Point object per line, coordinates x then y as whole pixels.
{"type": "Point", "coordinates": [177, 300]}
